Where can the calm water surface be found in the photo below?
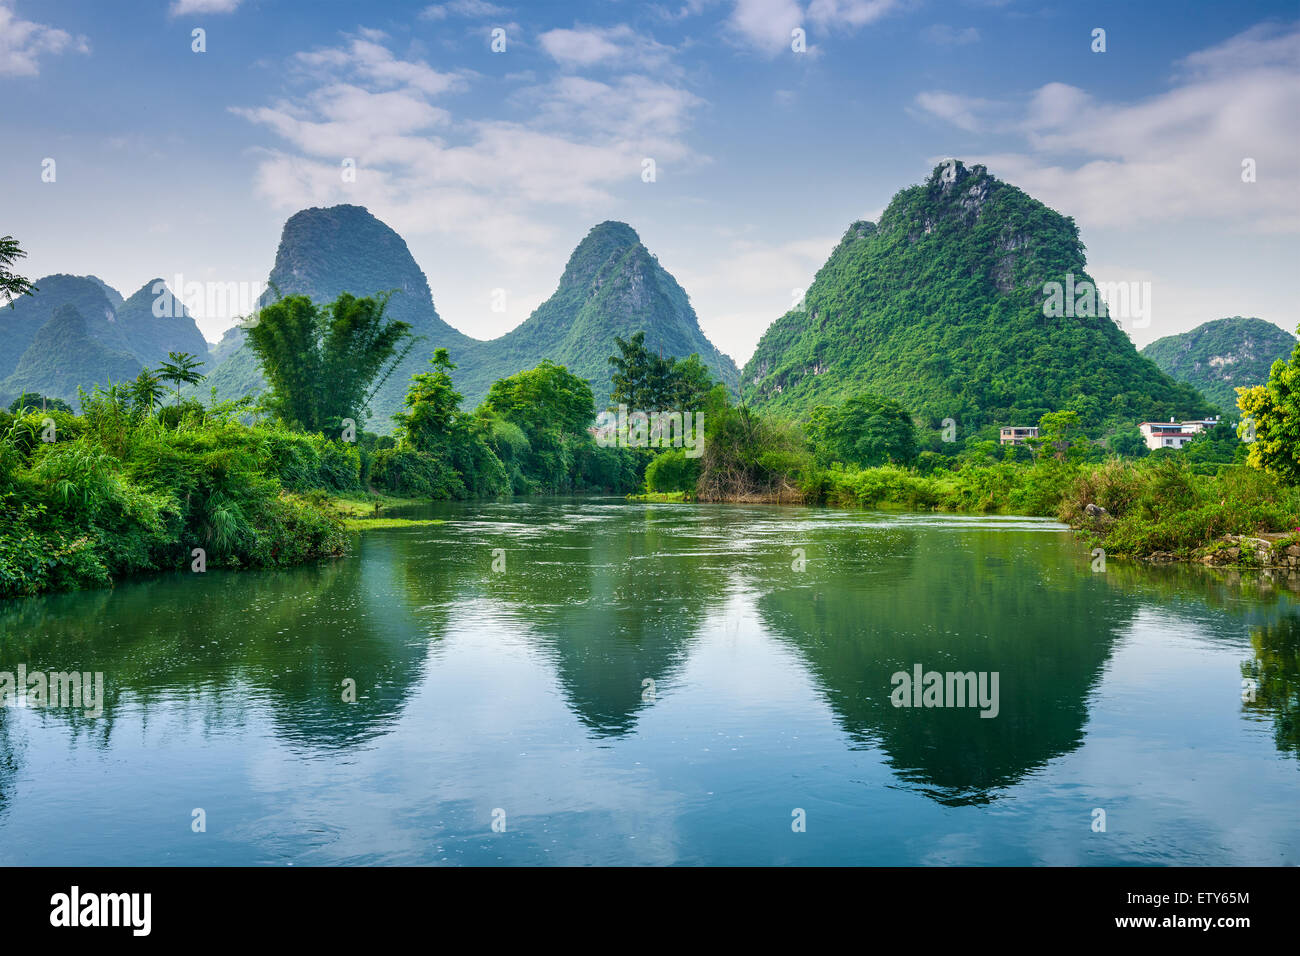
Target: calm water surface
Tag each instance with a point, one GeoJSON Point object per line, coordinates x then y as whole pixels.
{"type": "Point", "coordinates": [658, 684]}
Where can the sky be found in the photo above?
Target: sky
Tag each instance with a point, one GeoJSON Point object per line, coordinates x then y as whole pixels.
{"type": "Point", "coordinates": [772, 125]}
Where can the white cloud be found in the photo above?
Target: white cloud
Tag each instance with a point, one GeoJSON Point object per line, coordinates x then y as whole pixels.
{"type": "Point", "coordinates": [462, 8]}
{"type": "Point", "coordinates": [853, 14]}
{"type": "Point", "coordinates": [23, 42]}
{"type": "Point", "coordinates": [368, 58]}
{"type": "Point", "coordinates": [943, 34]}
{"type": "Point", "coordinates": [964, 112]}
{"type": "Point", "coordinates": [619, 46]}
{"type": "Point", "coordinates": [489, 182]}
{"type": "Point", "coordinates": [183, 7]}
{"type": "Point", "coordinates": [1173, 156]}
{"type": "Point", "coordinates": [766, 24]}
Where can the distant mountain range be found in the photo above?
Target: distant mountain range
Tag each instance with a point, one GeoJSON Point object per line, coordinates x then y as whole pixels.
{"type": "Point", "coordinates": [79, 331]}
{"type": "Point", "coordinates": [612, 286]}
{"type": "Point", "coordinates": [941, 307]}
{"type": "Point", "coordinates": [1221, 356]}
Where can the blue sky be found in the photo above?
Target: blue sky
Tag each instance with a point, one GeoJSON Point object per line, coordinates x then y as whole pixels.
{"type": "Point", "coordinates": [493, 165]}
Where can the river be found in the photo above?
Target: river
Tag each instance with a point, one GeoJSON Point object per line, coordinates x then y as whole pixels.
{"type": "Point", "coordinates": [594, 681]}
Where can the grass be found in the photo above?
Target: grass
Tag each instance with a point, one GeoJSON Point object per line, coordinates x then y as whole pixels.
{"type": "Point", "coordinates": [366, 505]}
{"type": "Point", "coordinates": [663, 496]}
{"type": "Point", "coordinates": [370, 524]}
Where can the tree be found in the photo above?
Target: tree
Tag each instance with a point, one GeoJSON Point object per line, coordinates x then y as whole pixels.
{"type": "Point", "coordinates": [432, 403]}
{"type": "Point", "coordinates": [1272, 412]}
{"type": "Point", "coordinates": [11, 284]}
{"type": "Point", "coordinates": [146, 391]}
{"type": "Point", "coordinates": [33, 401]}
{"type": "Point", "coordinates": [548, 397]}
{"type": "Point", "coordinates": [691, 383]}
{"type": "Point", "coordinates": [321, 360]}
{"type": "Point", "coordinates": [647, 382]}
{"type": "Point", "coordinates": [1061, 435]}
{"type": "Point", "coordinates": [553, 408]}
{"type": "Point", "coordinates": [448, 442]}
{"type": "Point", "coordinates": [181, 370]}
{"type": "Point", "coordinates": [866, 430]}
{"type": "Point", "coordinates": [1127, 443]}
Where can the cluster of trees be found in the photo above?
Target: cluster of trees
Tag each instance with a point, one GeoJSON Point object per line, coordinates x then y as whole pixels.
{"type": "Point", "coordinates": [530, 435]}
{"type": "Point", "coordinates": [647, 382]}
{"type": "Point", "coordinates": [1272, 413]}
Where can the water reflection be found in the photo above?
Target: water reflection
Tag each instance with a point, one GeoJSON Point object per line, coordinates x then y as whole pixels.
{"type": "Point", "coordinates": [770, 636]}
{"type": "Point", "coordinates": [966, 604]}
{"type": "Point", "coordinates": [1275, 671]}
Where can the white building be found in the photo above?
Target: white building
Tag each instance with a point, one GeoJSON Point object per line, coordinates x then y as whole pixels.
{"type": "Point", "coordinates": [1174, 434]}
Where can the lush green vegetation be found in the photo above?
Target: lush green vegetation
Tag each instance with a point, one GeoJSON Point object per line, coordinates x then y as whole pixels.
{"type": "Point", "coordinates": [1272, 411]}
{"type": "Point", "coordinates": [940, 308]}
{"type": "Point", "coordinates": [1161, 506]}
{"type": "Point", "coordinates": [1221, 356]}
{"type": "Point", "coordinates": [122, 489]}
{"type": "Point", "coordinates": [320, 361]}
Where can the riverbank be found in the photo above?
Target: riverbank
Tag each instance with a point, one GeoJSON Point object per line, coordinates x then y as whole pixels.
{"type": "Point", "coordinates": [1156, 510]}
{"type": "Point", "coordinates": [120, 490]}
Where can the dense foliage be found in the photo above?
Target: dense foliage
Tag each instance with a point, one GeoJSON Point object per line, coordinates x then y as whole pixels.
{"type": "Point", "coordinates": [645, 381]}
{"type": "Point", "coordinates": [1161, 505]}
{"type": "Point", "coordinates": [865, 430]}
{"type": "Point", "coordinates": [118, 490]}
{"type": "Point", "coordinates": [940, 308]}
{"type": "Point", "coordinates": [321, 361]}
{"type": "Point", "coordinates": [529, 436]}
{"type": "Point", "coordinates": [1272, 413]}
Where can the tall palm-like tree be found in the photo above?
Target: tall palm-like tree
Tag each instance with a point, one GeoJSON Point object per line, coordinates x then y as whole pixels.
{"type": "Point", "coordinates": [181, 370]}
{"type": "Point", "coordinates": [146, 391]}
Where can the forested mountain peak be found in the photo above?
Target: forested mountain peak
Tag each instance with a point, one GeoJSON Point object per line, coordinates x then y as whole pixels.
{"type": "Point", "coordinates": [941, 308]}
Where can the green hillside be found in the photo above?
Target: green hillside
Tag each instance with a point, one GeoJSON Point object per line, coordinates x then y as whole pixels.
{"type": "Point", "coordinates": [151, 337]}
{"type": "Point", "coordinates": [612, 286]}
{"type": "Point", "coordinates": [64, 355]}
{"type": "Point", "coordinates": [1220, 356]}
{"type": "Point", "coordinates": [940, 308]}
{"type": "Point", "coordinates": [115, 327]}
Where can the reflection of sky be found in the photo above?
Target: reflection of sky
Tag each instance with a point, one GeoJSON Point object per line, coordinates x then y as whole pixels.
{"type": "Point", "coordinates": [738, 736]}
